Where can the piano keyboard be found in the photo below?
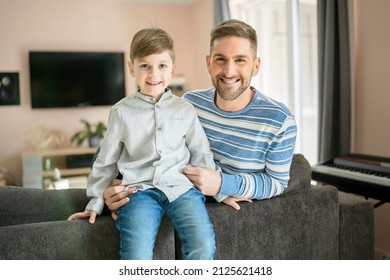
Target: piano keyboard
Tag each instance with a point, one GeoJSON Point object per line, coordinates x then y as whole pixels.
{"type": "Point", "coordinates": [378, 178]}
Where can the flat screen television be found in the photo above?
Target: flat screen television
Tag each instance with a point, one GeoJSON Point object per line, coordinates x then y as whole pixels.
{"type": "Point", "coordinates": [76, 79]}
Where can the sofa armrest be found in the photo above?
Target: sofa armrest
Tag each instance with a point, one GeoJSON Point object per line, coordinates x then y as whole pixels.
{"type": "Point", "coordinates": [356, 227]}
{"type": "Point", "coordinates": [300, 173]}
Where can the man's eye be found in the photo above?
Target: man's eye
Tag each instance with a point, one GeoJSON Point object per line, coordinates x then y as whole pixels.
{"type": "Point", "coordinates": [220, 60]}
{"type": "Point", "coordinates": [240, 61]}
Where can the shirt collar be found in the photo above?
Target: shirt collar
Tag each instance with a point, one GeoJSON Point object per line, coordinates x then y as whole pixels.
{"type": "Point", "coordinates": [152, 100]}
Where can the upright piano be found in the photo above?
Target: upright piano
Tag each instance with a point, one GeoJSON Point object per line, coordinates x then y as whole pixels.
{"type": "Point", "coordinates": [365, 175]}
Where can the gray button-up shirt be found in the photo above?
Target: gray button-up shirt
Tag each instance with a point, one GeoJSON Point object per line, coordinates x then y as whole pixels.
{"type": "Point", "coordinates": [149, 143]}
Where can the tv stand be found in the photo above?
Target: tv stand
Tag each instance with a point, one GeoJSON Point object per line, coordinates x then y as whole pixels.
{"type": "Point", "coordinates": [38, 166]}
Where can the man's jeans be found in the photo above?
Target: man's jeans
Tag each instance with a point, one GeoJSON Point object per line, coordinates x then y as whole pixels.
{"type": "Point", "coordinates": [138, 222]}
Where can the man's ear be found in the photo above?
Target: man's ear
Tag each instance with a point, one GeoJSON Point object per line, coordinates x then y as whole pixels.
{"type": "Point", "coordinates": [131, 68]}
{"type": "Point", "coordinates": [208, 59]}
{"type": "Point", "coordinates": [257, 66]}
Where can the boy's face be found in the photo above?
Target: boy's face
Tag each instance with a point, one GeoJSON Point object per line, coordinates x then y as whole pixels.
{"type": "Point", "coordinates": [153, 73]}
{"type": "Point", "coordinates": [232, 65]}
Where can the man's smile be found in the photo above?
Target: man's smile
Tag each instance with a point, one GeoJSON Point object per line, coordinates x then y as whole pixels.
{"type": "Point", "coordinates": [229, 81]}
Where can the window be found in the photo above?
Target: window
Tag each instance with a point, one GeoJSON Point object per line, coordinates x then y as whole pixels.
{"type": "Point", "coordinates": [287, 46]}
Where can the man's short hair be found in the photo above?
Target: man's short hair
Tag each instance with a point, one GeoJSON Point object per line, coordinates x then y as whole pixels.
{"type": "Point", "coordinates": [234, 27]}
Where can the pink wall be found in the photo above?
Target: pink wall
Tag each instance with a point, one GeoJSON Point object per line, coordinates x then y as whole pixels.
{"type": "Point", "coordinates": [86, 25]}
{"type": "Point", "coordinates": [372, 78]}
{"type": "Point", "coordinates": [109, 25]}
{"type": "Point", "coordinates": [372, 89]}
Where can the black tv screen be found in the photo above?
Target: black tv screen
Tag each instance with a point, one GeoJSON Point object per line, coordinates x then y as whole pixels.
{"type": "Point", "coordinates": [76, 79]}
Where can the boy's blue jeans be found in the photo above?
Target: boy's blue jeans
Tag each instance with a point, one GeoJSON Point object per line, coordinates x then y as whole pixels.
{"type": "Point", "coordinates": [138, 222]}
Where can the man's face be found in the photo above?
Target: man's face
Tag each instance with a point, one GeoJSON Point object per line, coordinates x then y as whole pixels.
{"type": "Point", "coordinates": [232, 65]}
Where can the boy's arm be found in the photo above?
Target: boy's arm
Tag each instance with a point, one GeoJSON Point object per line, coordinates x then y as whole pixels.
{"type": "Point", "coordinates": [104, 169]}
{"type": "Point", "coordinates": [201, 154]}
{"type": "Point", "coordinates": [198, 144]}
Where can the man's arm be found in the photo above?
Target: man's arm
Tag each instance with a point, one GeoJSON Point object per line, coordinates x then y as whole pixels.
{"type": "Point", "coordinates": [264, 184]}
{"type": "Point", "coordinates": [115, 196]}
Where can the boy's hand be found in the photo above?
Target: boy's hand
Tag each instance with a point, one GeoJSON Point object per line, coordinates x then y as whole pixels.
{"type": "Point", "coordinates": [83, 215]}
{"type": "Point", "coordinates": [232, 201]}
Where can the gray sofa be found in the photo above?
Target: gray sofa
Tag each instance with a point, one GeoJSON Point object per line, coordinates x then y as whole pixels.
{"type": "Point", "coordinates": [306, 222]}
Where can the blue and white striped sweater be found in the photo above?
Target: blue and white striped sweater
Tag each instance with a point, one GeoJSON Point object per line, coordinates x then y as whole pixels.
{"type": "Point", "coordinates": [253, 147]}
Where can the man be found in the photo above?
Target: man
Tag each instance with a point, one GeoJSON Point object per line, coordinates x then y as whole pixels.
{"type": "Point", "coordinates": [251, 135]}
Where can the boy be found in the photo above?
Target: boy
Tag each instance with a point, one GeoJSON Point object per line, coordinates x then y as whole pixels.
{"type": "Point", "coordinates": [151, 136]}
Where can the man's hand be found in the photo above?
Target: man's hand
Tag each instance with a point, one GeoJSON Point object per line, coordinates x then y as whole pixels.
{"type": "Point", "coordinates": [83, 215]}
{"type": "Point", "coordinates": [207, 180]}
{"type": "Point", "coordinates": [115, 196]}
{"type": "Point", "coordinates": [232, 201]}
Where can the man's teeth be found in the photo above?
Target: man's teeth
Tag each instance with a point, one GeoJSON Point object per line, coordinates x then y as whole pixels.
{"type": "Point", "coordinates": [229, 81]}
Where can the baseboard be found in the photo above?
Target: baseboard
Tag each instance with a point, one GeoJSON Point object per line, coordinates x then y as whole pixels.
{"type": "Point", "coordinates": [381, 255]}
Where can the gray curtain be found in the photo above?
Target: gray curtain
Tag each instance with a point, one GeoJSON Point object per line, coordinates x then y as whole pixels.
{"type": "Point", "coordinates": [221, 11]}
{"type": "Point", "coordinates": [334, 79]}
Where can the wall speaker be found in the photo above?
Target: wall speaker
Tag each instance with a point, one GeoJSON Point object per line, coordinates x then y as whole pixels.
{"type": "Point", "coordinates": [9, 89]}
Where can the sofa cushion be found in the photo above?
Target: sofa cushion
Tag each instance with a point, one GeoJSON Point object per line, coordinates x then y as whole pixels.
{"type": "Point", "coordinates": [75, 240]}
{"type": "Point", "coordinates": [302, 224]}
{"type": "Point", "coordinates": [33, 226]}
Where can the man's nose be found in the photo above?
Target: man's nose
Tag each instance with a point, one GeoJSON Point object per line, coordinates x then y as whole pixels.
{"type": "Point", "coordinates": [229, 69]}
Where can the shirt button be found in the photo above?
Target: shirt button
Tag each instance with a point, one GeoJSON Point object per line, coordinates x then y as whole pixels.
{"type": "Point", "coordinates": [159, 128]}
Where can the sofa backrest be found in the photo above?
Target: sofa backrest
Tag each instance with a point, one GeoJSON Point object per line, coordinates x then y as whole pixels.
{"type": "Point", "coordinates": [26, 205]}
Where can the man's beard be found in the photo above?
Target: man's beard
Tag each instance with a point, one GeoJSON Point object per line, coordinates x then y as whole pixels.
{"type": "Point", "coordinates": [229, 94]}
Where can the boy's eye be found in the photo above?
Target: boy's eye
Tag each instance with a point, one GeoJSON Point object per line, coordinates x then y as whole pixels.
{"type": "Point", "coordinates": [144, 66]}
{"type": "Point", "coordinates": [163, 66]}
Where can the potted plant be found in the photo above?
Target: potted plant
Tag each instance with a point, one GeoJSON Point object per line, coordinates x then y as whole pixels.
{"type": "Point", "coordinates": [92, 133]}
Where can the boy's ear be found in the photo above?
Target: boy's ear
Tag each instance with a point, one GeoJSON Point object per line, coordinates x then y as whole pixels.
{"type": "Point", "coordinates": [131, 68]}
{"type": "Point", "coordinates": [173, 70]}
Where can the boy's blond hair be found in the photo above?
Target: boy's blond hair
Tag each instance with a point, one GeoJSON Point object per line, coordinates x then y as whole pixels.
{"type": "Point", "coordinates": [150, 41]}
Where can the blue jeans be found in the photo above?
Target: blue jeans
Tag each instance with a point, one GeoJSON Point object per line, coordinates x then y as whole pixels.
{"type": "Point", "coordinates": [138, 222]}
